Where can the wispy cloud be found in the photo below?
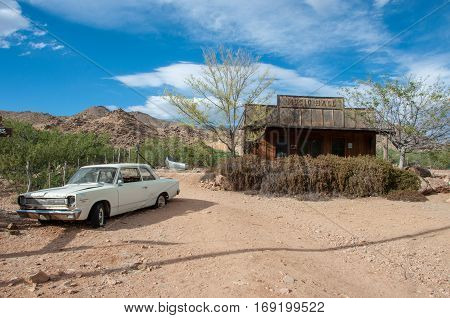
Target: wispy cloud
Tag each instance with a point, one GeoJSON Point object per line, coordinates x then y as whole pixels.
{"type": "Point", "coordinates": [11, 21]}
{"type": "Point", "coordinates": [286, 81]}
{"type": "Point", "coordinates": [381, 3]}
{"type": "Point", "coordinates": [38, 45]}
{"type": "Point", "coordinates": [291, 28]}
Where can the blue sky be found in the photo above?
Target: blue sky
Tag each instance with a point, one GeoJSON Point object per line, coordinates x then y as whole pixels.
{"type": "Point", "coordinates": [150, 45]}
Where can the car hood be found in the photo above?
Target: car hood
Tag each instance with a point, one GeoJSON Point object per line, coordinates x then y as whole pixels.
{"type": "Point", "coordinates": [62, 192]}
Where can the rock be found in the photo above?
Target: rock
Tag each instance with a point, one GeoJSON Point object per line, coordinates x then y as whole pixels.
{"type": "Point", "coordinates": [219, 179]}
{"type": "Point", "coordinates": [111, 281]}
{"type": "Point", "coordinates": [288, 279]}
{"type": "Point", "coordinates": [32, 288]}
{"type": "Point", "coordinates": [240, 283]}
{"type": "Point", "coordinates": [38, 278]}
{"type": "Point", "coordinates": [72, 291]}
{"type": "Point", "coordinates": [434, 185]}
{"type": "Point", "coordinates": [284, 291]}
{"type": "Point", "coordinates": [420, 171]}
{"type": "Point", "coordinates": [12, 226]}
{"type": "Point", "coordinates": [14, 232]}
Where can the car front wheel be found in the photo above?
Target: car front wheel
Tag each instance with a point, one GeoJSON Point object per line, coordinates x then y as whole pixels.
{"type": "Point", "coordinates": [97, 216]}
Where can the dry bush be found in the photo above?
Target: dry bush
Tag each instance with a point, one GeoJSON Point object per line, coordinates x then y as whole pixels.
{"type": "Point", "coordinates": [329, 175]}
{"type": "Point", "coordinates": [406, 195]}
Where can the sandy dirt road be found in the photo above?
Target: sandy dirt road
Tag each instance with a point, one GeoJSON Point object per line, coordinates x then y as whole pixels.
{"type": "Point", "coordinates": [223, 244]}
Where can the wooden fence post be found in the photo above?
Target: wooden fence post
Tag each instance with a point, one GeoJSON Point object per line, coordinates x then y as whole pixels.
{"type": "Point", "coordinates": [64, 173]}
{"type": "Point", "coordinates": [28, 176]}
{"type": "Point", "coordinates": [48, 175]}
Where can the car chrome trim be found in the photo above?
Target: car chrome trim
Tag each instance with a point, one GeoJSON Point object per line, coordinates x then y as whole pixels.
{"type": "Point", "coordinates": [50, 214]}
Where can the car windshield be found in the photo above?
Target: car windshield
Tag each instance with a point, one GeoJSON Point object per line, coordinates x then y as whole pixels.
{"type": "Point", "coordinates": [94, 175]}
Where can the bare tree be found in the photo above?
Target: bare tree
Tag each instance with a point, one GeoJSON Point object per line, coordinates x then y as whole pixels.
{"type": "Point", "coordinates": [413, 113]}
{"type": "Point", "coordinates": [228, 81]}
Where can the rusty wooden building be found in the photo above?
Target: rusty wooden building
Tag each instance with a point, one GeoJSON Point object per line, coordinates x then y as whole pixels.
{"type": "Point", "coordinates": [309, 126]}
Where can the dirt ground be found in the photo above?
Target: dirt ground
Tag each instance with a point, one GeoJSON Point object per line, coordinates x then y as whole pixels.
{"type": "Point", "coordinates": [223, 244]}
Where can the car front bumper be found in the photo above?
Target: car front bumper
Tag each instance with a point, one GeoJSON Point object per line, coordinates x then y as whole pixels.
{"type": "Point", "coordinates": [67, 215]}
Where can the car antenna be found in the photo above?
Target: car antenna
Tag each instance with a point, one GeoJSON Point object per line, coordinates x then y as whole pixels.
{"type": "Point", "coordinates": [140, 155]}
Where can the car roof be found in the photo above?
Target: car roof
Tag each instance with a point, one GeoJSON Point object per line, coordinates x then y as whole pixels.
{"type": "Point", "coordinates": [118, 165]}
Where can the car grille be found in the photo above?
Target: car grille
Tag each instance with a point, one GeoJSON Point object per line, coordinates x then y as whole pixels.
{"type": "Point", "coordinates": [45, 202]}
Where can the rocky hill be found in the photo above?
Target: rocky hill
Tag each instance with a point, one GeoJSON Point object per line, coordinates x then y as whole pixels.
{"type": "Point", "coordinates": [126, 129]}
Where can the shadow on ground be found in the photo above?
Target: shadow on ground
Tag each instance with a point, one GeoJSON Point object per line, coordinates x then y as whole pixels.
{"type": "Point", "coordinates": [240, 251]}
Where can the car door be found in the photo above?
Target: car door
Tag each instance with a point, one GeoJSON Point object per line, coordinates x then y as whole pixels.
{"type": "Point", "coordinates": [151, 186]}
{"type": "Point", "coordinates": [131, 189]}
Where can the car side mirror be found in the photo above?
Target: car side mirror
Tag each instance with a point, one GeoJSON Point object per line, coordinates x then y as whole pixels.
{"type": "Point", "coordinates": [120, 183]}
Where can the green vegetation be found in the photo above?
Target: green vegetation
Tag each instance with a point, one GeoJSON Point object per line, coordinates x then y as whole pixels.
{"type": "Point", "coordinates": [329, 175]}
{"type": "Point", "coordinates": [432, 159]}
{"type": "Point", "coordinates": [406, 195]}
{"type": "Point", "coordinates": [50, 152]}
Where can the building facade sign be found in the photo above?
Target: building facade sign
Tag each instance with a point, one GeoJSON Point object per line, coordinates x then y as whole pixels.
{"type": "Point", "coordinates": [310, 102]}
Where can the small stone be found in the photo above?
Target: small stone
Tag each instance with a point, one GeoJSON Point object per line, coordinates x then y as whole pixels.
{"type": "Point", "coordinates": [72, 291]}
{"type": "Point", "coordinates": [288, 279]}
{"type": "Point", "coordinates": [38, 278]}
{"type": "Point", "coordinates": [14, 232]}
{"type": "Point", "coordinates": [12, 226]}
{"type": "Point", "coordinates": [240, 283]}
{"type": "Point", "coordinates": [284, 291]}
{"type": "Point", "coordinates": [111, 281]}
{"type": "Point", "coordinates": [32, 288]}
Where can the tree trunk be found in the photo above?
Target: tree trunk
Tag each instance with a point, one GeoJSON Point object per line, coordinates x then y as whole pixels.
{"type": "Point", "coordinates": [386, 148]}
{"type": "Point", "coordinates": [401, 162]}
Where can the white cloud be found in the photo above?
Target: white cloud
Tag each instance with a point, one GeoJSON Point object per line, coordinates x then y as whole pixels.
{"type": "Point", "coordinates": [157, 107]}
{"type": "Point", "coordinates": [381, 3]}
{"type": "Point", "coordinates": [38, 45]}
{"type": "Point", "coordinates": [11, 21]}
{"type": "Point", "coordinates": [56, 47]}
{"type": "Point", "coordinates": [25, 53]}
{"type": "Point", "coordinates": [430, 67]}
{"type": "Point", "coordinates": [291, 28]}
{"type": "Point", "coordinates": [173, 75]}
{"type": "Point", "coordinates": [4, 44]}
{"type": "Point", "coordinates": [287, 81]}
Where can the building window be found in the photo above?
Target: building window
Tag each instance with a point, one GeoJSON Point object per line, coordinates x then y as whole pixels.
{"type": "Point", "coordinates": [312, 147]}
{"type": "Point", "coordinates": [338, 147]}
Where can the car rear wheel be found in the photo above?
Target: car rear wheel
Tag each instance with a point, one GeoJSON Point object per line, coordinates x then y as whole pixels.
{"type": "Point", "coordinates": [97, 216]}
{"type": "Point", "coordinates": [161, 201]}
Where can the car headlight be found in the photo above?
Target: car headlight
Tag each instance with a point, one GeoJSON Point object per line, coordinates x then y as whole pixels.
{"type": "Point", "coordinates": [21, 200]}
{"type": "Point", "coordinates": [70, 201]}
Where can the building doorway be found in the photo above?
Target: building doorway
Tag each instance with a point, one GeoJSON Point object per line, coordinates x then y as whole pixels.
{"type": "Point", "coordinates": [338, 147]}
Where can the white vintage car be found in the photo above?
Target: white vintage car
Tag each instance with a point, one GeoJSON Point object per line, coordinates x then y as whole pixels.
{"type": "Point", "coordinates": [97, 192]}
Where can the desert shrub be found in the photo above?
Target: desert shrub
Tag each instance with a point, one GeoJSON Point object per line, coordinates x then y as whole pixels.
{"type": "Point", "coordinates": [330, 175]}
{"type": "Point", "coordinates": [208, 176]}
{"type": "Point", "coordinates": [403, 180]}
{"type": "Point", "coordinates": [406, 195]}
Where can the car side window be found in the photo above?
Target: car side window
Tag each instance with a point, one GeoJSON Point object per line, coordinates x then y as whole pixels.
{"type": "Point", "coordinates": [146, 174]}
{"type": "Point", "coordinates": [129, 175]}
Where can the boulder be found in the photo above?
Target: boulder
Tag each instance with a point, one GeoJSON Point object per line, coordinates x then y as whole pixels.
{"type": "Point", "coordinates": [38, 278]}
{"type": "Point", "coordinates": [434, 185]}
{"type": "Point", "coordinates": [420, 171]}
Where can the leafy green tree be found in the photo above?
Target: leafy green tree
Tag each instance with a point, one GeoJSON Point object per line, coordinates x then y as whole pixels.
{"type": "Point", "coordinates": [228, 81]}
{"type": "Point", "coordinates": [413, 113]}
